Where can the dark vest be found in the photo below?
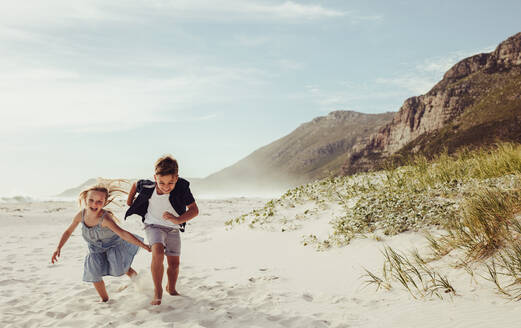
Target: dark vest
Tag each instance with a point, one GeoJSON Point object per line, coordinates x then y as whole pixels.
{"type": "Point", "coordinates": [179, 198]}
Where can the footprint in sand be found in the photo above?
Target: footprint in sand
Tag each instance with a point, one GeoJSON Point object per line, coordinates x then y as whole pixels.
{"type": "Point", "coordinates": [307, 297]}
{"type": "Point", "coordinates": [339, 299]}
{"type": "Point", "coordinates": [268, 278]}
{"type": "Point", "coordinates": [56, 315]}
{"type": "Point", "coordinates": [122, 288]}
{"type": "Point", "coordinates": [225, 268]}
{"type": "Point", "coordinates": [7, 282]}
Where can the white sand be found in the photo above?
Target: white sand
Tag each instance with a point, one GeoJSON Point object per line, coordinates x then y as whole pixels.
{"type": "Point", "coordinates": [237, 278]}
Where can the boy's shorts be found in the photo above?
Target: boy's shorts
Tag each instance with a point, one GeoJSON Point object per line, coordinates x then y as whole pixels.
{"type": "Point", "coordinates": [169, 237]}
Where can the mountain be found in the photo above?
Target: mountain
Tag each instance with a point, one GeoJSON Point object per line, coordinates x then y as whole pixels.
{"type": "Point", "coordinates": [74, 192]}
{"type": "Point", "coordinates": [477, 103]}
{"type": "Point", "coordinates": [314, 150]}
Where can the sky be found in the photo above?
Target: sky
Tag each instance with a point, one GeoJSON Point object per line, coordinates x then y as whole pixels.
{"type": "Point", "coordinates": [103, 88]}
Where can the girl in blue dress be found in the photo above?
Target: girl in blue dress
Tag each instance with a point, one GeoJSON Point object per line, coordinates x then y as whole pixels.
{"type": "Point", "coordinates": [111, 248]}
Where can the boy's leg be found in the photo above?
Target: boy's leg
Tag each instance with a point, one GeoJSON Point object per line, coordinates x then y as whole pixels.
{"type": "Point", "coordinates": [172, 252]}
{"type": "Point", "coordinates": [102, 291]}
{"type": "Point", "coordinates": [156, 237]}
{"type": "Point", "coordinates": [172, 274]}
{"type": "Point", "coordinates": [157, 268]}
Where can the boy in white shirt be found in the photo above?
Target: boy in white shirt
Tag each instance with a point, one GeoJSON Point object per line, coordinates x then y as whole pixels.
{"type": "Point", "coordinates": [163, 205]}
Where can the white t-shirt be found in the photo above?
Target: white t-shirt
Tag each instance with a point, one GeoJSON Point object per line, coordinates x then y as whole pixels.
{"type": "Point", "coordinates": [157, 205]}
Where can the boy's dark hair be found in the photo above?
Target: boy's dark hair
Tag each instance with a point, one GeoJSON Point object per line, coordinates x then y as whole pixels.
{"type": "Point", "coordinates": [166, 165]}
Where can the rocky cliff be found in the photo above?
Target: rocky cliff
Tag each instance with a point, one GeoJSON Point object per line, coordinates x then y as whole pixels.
{"type": "Point", "coordinates": [477, 102]}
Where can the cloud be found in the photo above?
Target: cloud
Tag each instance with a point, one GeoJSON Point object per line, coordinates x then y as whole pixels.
{"type": "Point", "coordinates": [346, 95]}
{"type": "Point", "coordinates": [252, 41]}
{"type": "Point", "coordinates": [290, 65]}
{"type": "Point", "coordinates": [63, 12]}
{"type": "Point", "coordinates": [417, 84]}
{"type": "Point", "coordinates": [54, 12]}
{"type": "Point", "coordinates": [356, 19]}
{"type": "Point", "coordinates": [418, 79]}
{"type": "Point", "coordinates": [291, 10]}
{"type": "Point", "coordinates": [442, 64]}
{"type": "Point", "coordinates": [428, 72]}
{"type": "Point", "coordinates": [62, 67]}
{"type": "Point", "coordinates": [205, 118]}
{"type": "Point", "coordinates": [50, 98]}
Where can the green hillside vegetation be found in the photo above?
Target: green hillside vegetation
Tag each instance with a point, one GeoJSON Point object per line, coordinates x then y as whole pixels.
{"type": "Point", "coordinates": [470, 200]}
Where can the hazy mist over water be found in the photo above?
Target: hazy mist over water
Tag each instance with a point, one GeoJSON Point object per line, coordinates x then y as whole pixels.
{"type": "Point", "coordinates": [31, 199]}
{"type": "Point", "coordinates": [216, 192]}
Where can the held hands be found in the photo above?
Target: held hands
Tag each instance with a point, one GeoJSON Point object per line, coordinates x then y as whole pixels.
{"type": "Point", "coordinates": [147, 247]}
{"type": "Point", "coordinates": [172, 218]}
{"type": "Point", "coordinates": [55, 256]}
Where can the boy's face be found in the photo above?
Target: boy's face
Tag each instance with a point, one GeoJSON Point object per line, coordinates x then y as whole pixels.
{"type": "Point", "coordinates": [165, 183]}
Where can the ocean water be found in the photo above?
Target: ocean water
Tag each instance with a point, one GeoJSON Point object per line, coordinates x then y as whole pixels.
{"type": "Point", "coordinates": [33, 199]}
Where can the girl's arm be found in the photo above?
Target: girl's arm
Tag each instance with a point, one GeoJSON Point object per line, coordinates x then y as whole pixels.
{"type": "Point", "coordinates": [65, 236]}
{"type": "Point", "coordinates": [124, 234]}
{"type": "Point", "coordinates": [131, 194]}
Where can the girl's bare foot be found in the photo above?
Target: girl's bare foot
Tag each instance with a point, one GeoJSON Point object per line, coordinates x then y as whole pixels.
{"type": "Point", "coordinates": [156, 301]}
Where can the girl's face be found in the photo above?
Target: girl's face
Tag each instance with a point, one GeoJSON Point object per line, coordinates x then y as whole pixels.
{"type": "Point", "coordinates": [95, 200]}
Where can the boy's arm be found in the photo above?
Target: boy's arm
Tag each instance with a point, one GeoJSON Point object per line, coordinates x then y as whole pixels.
{"type": "Point", "coordinates": [132, 194]}
{"type": "Point", "coordinates": [191, 213]}
{"type": "Point", "coordinates": [65, 236]}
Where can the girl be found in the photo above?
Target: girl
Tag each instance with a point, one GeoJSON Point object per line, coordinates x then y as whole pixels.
{"type": "Point", "coordinates": [111, 249]}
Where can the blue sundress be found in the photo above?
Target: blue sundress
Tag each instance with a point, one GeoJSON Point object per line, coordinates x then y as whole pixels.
{"type": "Point", "coordinates": [109, 255]}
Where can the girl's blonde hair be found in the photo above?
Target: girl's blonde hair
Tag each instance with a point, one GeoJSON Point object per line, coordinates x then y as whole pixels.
{"type": "Point", "coordinates": [111, 187]}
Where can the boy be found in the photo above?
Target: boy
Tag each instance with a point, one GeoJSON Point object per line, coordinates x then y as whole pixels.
{"type": "Point", "coordinates": [162, 206]}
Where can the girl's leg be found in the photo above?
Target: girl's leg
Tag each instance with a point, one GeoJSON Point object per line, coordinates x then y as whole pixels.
{"type": "Point", "coordinates": [131, 273]}
{"type": "Point", "coordinates": [102, 292]}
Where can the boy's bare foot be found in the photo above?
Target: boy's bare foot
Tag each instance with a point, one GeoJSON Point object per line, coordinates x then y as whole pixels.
{"type": "Point", "coordinates": [158, 294]}
{"type": "Point", "coordinates": [171, 292]}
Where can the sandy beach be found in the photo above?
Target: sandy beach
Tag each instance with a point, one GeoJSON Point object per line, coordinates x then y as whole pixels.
{"type": "Point", "coordinates": [354, 164]}
{"type": "Point", "coordinates": [238, 277]}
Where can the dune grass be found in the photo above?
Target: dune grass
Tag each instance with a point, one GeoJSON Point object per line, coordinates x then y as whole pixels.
{"type": "Point", "coordinates": [415, 275]}
{"type": "Point", "coordinates": [485, 226]}
{"type": "Point", "coordinates": [471, 198]}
